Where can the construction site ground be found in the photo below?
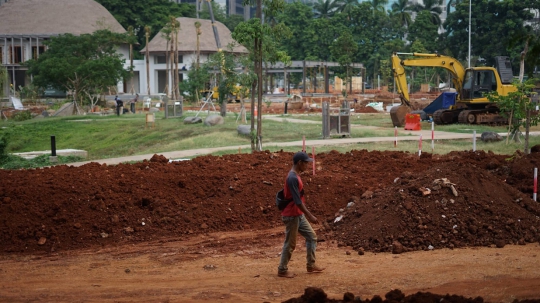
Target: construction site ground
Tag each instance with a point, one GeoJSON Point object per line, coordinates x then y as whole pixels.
{"type": "Point", "coordinates": [208, 230]}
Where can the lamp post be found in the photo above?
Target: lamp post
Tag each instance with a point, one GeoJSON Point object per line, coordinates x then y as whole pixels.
{"type": "Point", "coordinates": [469, 58]}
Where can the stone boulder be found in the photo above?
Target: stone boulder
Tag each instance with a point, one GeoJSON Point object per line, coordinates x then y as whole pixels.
{"type": "Point", "coordinates": [244, 130]}
{"type": "Point", "coordinates": [213, 120]}
{"type": "Point", "coordinates": [490, 137]}
{"type": "Point", "coordinates": [192, 120]}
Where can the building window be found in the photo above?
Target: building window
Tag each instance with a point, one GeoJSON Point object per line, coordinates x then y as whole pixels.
{"type": "Point", "coordinates": [2, 56]}
{"type": "Point", "coordinates": [15, 54]}
{"type": "Point", "coordinates": [161, 59]}
{"type": "Point", "coordinates": [37, 51]}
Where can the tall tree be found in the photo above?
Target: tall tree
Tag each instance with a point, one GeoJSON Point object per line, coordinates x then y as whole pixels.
{"type": "Point", "coordinates": [346, 6]}
{"type": "Point", "coordinates": [425, 31]}
{"type": "Point", "coordinates": [261, 40]}
{"type": "Point", "coordinates": [81, 64]}
{"type": "Point", "coordinates": [530, 38]}
{"type": "Point", "coordinates": [232, 21]}
{"type": "Point", "coordinates": [494, 23]}
{"type": "Point", "coordinates": [298, 17]}
{"type": "Point", "coordinates": [343, 50]}
{"type": "Point", "coordinates": [141, 13]}
{"type": "Point", "coordinates": [401, 10]}
{"type": "Point", "coordinates": [378, 5]}
{"type": "Point", "coordinates": [374, 31]}
{"type": "Point", "coordinates": [433, 7]}
{"type": "Point", "coordinates": [325, 8]}
{"type": "Point", "coordinates": [322, 34]}
{"type": "Point", "coordinates": [166, 34]}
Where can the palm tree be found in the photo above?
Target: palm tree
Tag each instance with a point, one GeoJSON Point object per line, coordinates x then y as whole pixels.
{"type": "Point", "coordinates": [325, 8]}
{"type": "Point", "coordinates": [432, 6]}
{"type": "Point", "coordinates": [346, 6]}
{"type": "Point", "coordinates": [401, 10]}
{"type": "Point", "coordinates": [378, 5]}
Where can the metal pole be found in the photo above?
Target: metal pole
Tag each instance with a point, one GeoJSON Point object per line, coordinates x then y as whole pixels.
{"type": "Point", "coordinates": [53, 146]}
{"type": "Point", "coordinates": [469, 60]}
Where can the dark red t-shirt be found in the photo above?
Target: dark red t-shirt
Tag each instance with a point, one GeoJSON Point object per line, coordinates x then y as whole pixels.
{"type": "Point", "coordinates": [293, 189]}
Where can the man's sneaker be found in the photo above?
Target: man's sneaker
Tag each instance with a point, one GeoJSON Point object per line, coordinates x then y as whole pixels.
{"type": "Point", "coordinates": [315, 269]}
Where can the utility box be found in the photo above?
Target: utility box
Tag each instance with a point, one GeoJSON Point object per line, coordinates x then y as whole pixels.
{"type": "Point", "coordinates": [174, 108]}
{"type": "Point", "coordinates": [336, 120]}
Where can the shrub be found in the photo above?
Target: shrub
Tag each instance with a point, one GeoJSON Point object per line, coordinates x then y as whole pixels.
{"type": "Point", "coordinates": [4, 140]}
{"type": "Point", "coordinates": [22, 116]}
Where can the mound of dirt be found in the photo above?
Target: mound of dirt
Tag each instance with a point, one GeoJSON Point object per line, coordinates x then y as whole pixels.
{"type": "Point", "coordinates": [440, 208]}
{"type": "Point", "coordinates": [63, 207]}
{"type": "Point", "coordinates": [317, 295]}
{"type": "Point", "coordinates": [365, 109]}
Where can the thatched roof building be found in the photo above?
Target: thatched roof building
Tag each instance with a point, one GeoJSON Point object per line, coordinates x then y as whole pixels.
{"type": "Point", "coordinates": [188, 38]}
{"type": "Point", "coordinates": [53, 17]}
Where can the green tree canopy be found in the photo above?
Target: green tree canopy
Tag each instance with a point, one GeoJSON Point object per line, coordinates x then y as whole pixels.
{"type": "Point", "coordinates": [298, 17]}
{"type": "Point", "coordinates": [434, 9]}
{"type": "Point", "coordinates": [141, 13]}
{"type": "Point", "coordinates": [80, 63]}
{"type": "Point", "coordinates": [401, 10]}
{"type": "Point", "coordinates": [494, 24]}
{"type": "Point", "coordinates": [374, 31]}
{"type": "Point", "coordinates": [325, 8]}
{"type": "Point", "coordinates": [425, 31]}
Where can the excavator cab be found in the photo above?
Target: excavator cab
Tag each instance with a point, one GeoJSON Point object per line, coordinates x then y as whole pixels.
{"type": "Point", "coordinates": [477, 83]}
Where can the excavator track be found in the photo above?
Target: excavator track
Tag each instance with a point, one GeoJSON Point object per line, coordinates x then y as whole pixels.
{"type": "Point", "coordinates": [467, 117]}
{"type": "Point", "coordinates": [444, 116]}
{"type": "Point", "coordinates": [481, 116]}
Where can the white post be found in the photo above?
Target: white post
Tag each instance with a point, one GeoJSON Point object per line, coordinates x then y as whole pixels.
{"type": "Point", "coordinates": [395, 136]}
{"type": "Point", "coordinates": [432, 136]}
{"type": "Point", "coordinates": [474, 141]}
{"type": "Point", "coordinates": [535, 183]}
{"type": "Point", "coordinates": [420, 146]}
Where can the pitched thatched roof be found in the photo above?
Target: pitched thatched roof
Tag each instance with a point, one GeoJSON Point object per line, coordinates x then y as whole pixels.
{"type": "Point", "coordinates": [53, 17]}
{"type": "Point", "coordinates": [187, 38]}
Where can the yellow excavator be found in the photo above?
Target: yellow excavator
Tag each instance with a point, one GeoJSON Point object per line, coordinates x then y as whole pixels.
{"type": "Point", "coordinates": [471, 104]}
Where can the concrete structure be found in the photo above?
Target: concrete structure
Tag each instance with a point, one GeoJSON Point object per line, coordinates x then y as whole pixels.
{"type": "Point", "coordinates": [25, 24]}
{"type": "Point", "coordinates": [187, 52]}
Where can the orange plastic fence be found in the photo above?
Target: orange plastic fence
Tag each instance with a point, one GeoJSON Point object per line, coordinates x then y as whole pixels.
{"type": "Point", "coordinates": [412, 122]}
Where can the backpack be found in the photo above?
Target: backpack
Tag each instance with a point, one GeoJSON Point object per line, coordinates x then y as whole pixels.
{"type": "Point", "coordinates": [281, 202]}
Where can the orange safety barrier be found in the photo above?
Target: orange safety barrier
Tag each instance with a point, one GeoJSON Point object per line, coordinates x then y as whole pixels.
{"type": "Point", "coordinates": [412, 122]}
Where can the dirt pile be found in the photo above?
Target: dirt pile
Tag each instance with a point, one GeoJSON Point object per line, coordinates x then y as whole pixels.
{"type": "Point", "coordinates": [440, 208]}
{"type": "Point", "coordinates": [317, 295]}
{"type": "Point", "coordinates": [63, 208]}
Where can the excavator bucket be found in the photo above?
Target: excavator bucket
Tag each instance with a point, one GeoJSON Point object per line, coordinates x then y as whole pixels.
{"type": "Point", "coordinates": [398, 113]}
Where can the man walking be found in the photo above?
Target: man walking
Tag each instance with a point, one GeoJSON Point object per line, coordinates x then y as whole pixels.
{"type": "Point", "coordinates": [297, 218]}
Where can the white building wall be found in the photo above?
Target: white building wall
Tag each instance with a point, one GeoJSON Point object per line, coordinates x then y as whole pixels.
{"type": "Point", "coordinates": [188, 61]}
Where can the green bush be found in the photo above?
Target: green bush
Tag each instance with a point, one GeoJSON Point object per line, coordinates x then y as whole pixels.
{"type": "Point", "coordinates": [16, 162]}
{"type": "Point", "coordinates": [22, 116]}
{"type": "Point", "coordinates": [4, 140]}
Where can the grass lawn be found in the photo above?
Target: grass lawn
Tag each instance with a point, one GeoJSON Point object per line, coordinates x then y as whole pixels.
{"type": "Point", "coordinates": [112, 136]}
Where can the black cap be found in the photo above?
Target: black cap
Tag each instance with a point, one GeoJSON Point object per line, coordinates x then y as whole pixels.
{"type": "Point", "coordinates": [301, 156]}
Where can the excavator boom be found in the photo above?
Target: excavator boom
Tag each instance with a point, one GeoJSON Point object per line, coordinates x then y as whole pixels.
{"type": "Point", "coordinates": [424, 60]}
{"type": "Point", "coordinates": [472, 86]}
